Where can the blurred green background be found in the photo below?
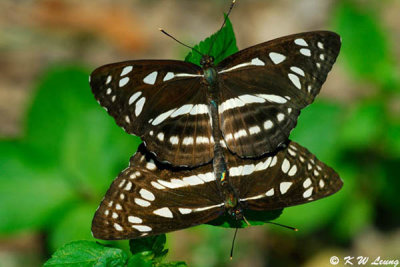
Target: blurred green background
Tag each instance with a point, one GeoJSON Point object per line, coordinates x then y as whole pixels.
{"type": "Point", "coordinates": [59, 151]}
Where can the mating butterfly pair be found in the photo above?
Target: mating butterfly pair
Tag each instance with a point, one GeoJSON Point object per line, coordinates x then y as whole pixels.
{"type": "Point", "coordinates": [257, 93]}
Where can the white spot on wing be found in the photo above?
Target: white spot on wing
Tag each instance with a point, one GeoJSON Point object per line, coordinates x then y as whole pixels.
{"type": "Point", "coordinates": [174, 140]}
{"type": "Point", "coordinates": [307, 183]}
{"type": "Point", "coordinates": [280, 116]}
{"type": "Point", "coordinates": [128, 186]}
{"type": "Point", "coordinates": [193, 180]}
{"type": "Point", "coordinates": [292, 170]}
{"type": "Point", "coordinates": [306, 52]}
{"type": "Point", "coordinates": [298, 71]}
{"type": "Point", "coordinates": [276, 57]}
{"type": "Point", "coordinates": [274, 161]}
{"type": "Point", "coordinates": [126, 70]}
{"type": "Point", "coordinates": [273, 98]}
{"type": "Point", "coordinates": [184, 210]}
{"type": "Point", "coordinates": [254, 130]}
{"type": "Point", "coordinates": [134, 97]}
{"type": "Point", "coordinates": [248, 99]}
{"type": "Point", "coordinates": [199, 109]}
{"type": "Point", "coordinates": [168, 76]}
{"type": "Point", "coordinates": [320, 45]}
{"type": "Point", "coordinates": [268, 124]}
{"type": "Point", "coordinates": [150, 165]}
{"type": "Point", "coordinates": [142, 228]}
{"type": "Point", "coordinates": [151, 78]}
{"type": "Point", "coordinates": [118, 227]}
{"type": "Point", "coordinates": [257, 62]}
{"type": "Point", "coordinates": [300, 41]}
{"type": "Point", "coordinates": [284, 187]}
{"type": "Point", "coordinates": [160, 136]}
{"type": "Point", "coordinates": [123, 81]}
{"type": "Point", "coordinates": [146, 194]}
{"type": "Point", "coordinates": [187, 141]}
{"type": "Point", "coordinates": [142, 202]}
{"type": "Point", "coordinates": [308, 192]}
{"type": "Point", "coordinates": [109, 78]}
{"type": "Point", "coordinates": [160, 118]}
{"type": "Point", "coordinates": [157, 185]}
{"type": "Point", "coordinates": [270, 192]}
{"type": "Point", "coordinates": [285, 165]}
{"type": "Point", "coordinates": [295, 80]}
{"type": "Point", "coordinates": [134, 219]}
{"type": "Point", "coordinates": [240, 134]}
{"type": "Point", "coordinates": [139, 106]}
{"type": "Point", "coordinates": [182, 110]}
{"type": "Point", "coordinates": [202, 140]}
{"type": "Point", "coordinates": [164, 212]}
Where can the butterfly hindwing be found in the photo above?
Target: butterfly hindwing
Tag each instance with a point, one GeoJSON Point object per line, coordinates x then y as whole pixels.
{"type": "Point", "coordinates": [147, 199]}
{"type": "Point", "coordinates": [264, 87]}
{"type": "Point", "coordinates": [163, 102]}
{"type": "Point", "coordinates": [289, 177]}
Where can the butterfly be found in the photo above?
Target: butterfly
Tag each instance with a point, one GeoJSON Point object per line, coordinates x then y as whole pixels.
{"type": "Point", "coordinates": [258, 92]}
{"type": "Point", "coordinates": [149, 198]}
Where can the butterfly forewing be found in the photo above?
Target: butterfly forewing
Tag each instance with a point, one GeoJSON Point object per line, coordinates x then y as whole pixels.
{"type": "Point", "coordinates": [146, 199]}
{"type": "Point", "coordinates": [264, 87]}
{"type": "Point", "coordinates": [163, 102]}
{"type": "Point", "coordinates": [290, 177]}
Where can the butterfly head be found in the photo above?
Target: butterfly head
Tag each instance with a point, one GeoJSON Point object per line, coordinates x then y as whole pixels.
{"type": "Point", "coordinates": [207, 61]}
{"type": "Point", "coordinates": [233, 207]}
{"type": "Point", "coordinates": [236, 213]}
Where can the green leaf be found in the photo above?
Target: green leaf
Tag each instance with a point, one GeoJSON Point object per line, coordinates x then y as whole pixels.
{"type": "Point", "coordinates": [173, 264]}
{"type": "Point", "coordinates": [364, 124]}
{"type": "Point", "coordinates": [79, 215]}
{"type": "Point", "coordinates": [94, 151]}
{"type": "Point", "coordinates": [138, 260]}
{"type": "Point", "coordinates": [28, 194]}
{"type": "Point", "coordinates": [86, 253]}
{"type": "Point", "coordinates": [152, 246]}
{"type": "Point", "coordinates": [365, 46]}
{"type": "Point", "coordinates": [224, 45]}
{"type": "Point", "coordinates": [63, 95]}
{"type": "Point", "coordinates": [310, 217]}
{"type": "Point", "coordinates": [252, 216]}
{"type": "Point", "coordinates": [318, 129]}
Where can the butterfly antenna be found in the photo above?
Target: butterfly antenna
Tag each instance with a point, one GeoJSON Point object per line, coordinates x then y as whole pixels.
{"type": "Point", "coordinates": [223, 24]}
{"type": "Point", "coordinates": [169, 35]}
{"type": "Point", "coordinates": [233, 243]}
{"type": "Point", "coordinates": [284, 226]}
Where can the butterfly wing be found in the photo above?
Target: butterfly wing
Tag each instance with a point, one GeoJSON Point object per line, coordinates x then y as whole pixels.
{"type": "Point", "coordinates": [147, 199]}
{"type": "Point", "coordinates": [264, 87]}
{"type": "Point", "coordinates": [289, 177]}
{"type": "Point", "coordinates": [163, 102]}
